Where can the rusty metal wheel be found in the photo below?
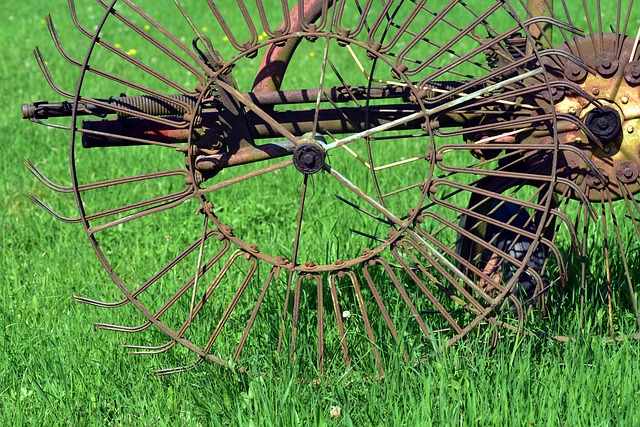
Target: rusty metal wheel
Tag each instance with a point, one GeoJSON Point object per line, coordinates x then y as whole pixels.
{"type": "Point", "coordinates": [363, 173]}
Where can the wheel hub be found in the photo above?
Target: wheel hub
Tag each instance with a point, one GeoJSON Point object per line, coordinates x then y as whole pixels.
{"type": "Point", "coordinates": [615, 154]}
{"type": "Point", "coordinates": [309, 157]}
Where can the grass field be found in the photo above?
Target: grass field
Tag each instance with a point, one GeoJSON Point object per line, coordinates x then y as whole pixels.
{"type": "Point", "coordinates": [57, 369]}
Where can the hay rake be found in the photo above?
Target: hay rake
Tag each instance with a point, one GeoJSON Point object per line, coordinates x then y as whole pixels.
{"type": "Point", "coordinates": [364, 172]}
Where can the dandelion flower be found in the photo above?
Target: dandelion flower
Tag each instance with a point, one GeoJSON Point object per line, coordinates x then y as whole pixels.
{"type": "Point", "coordinates": [335, 412]}
{"type": "Point", "coordinates": [204, 29]}
{"type": "Point", "coordinates": [312, 54]}
{"type": "Point", "coordinates": [131, 52]}
{"type": "Point", "coordinates": [117, 45]}
{"type": "Point", "coordinates": [225, 39]}
{"type": "Point", "coordinates": [147, 27]}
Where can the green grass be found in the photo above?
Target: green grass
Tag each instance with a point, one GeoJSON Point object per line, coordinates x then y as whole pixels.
{"type": "Point", "coordinates": [57, 369]}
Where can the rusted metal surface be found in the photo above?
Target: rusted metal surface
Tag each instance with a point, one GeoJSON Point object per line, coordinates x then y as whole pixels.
{"type": "Point", "coordinates": [462, 151]}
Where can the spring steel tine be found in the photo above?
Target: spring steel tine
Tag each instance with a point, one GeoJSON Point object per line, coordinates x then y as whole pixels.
{"type": "Point", "coordinates": [165, 206]}
{"type": "Point", "coordinates": [232, 305]}
{"type": "Point", "coordinates": [212, 287]}
{"type": "Point", "coordinates": [365, 319]}
{"type": "Point", "coordinates": [145, 351]}
{"type": "Point", "coordinates": [320, 314]}
{"type": "Point", "coordinates": [170, 371]}
{"type": "Point", "coordinates": [158, 275]}
{"type": "Point", "coordinates": [47, 75]}
{"type": "Point", "coordinates": [285, 25]}
{"type": "Point", "coordinates": [427, 241]}
{"type": "Point", "coordinates": [173, 299]}
{"type": "Point", "coordinates": [100, 184]}
{"type": "Point", "coordinates": [110, 76]}
{"type": "Point", "coordinates": [432, 262]}
{"type": "Point", "coordinates": [338, 313]}
{"type": "Point", "coordinates": [121, 328]}
{"type": "Point", "coordinates": [296, 315]}
{"type": "Point", "coordinates": [157, 44]}
{"type": "Point", "coordinates": [623, 257]}
{"type": "Point", "coordinates": [474, 306]}
{"type": "Point", "coordinates": [114, 211]}
{"type": "Point", "coordinates": [123, 55]}
{"type": "Point", "coordinates": [54, 213]}
{"type": "Point", "coordinates": [101, 304]}
{"type": "Point", "coordinates": [405, 296]}
{"type": "Point", "coordinates": [489, 220]}
{"type": "Point", "coordinates": [414, 277]}
{"type": "Point", "coordinates": [381, 306]}
{"type": "Point", "coordinates": [426, 29]}
{"type": "Point", "coordinates": [227, 31]}
{"type": "Point", "coordinates": [273, 275]}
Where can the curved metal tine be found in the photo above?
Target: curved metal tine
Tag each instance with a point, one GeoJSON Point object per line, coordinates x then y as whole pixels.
{"type": "Point", "coordinates": [140, 350]}
{"type": "Point", "coordinates": [624, 28]}
{"type": "Point", "coordinates": [109, 76]}
{"type": "Point", "coordinates": [138, 205]}
{"type": "Point", "coordinates": [425, 244]}
{"type": "Point", "coordinates": [320, 314]}
{"type": "Point", "coordinates": [47, 75]}
{"type": "Point", "coordinates": [156, 43]}
{"type": "Point", "coordinates": [158, 275]}
{"type": "Point", "coordinates": [253, 40]}
{"type": "Point", "coordinates": [198, 266]}
{"type": "Point", "coordinates": [124, 56]}
{"type": "Point", "coordinates": [632, 204]}
{"type": "Point", "coordinates": [96, 185]}
{"type": "Point", "coordinates": [163, 207]}
{"type": "Point", "coordinates": [124, 82]}
{"type": "Point", "coordinates": [121, 328]}
{"type": "Point", "coordinates": [430, 25]}
{"type": "Point", "coordinates": [482, 47]}
{"type": "Point", "coordinates": [54, 213]}
{"type": "Point", "coordinates": [296, 316]}
{"type": "Point", "coordinates": [367, 323]}
{"type": "Point", "coordinates": [273, 275]}
{"type": "Point", "coordinates": [440, 252]}
{"type": "Point", "coordinates": [383, 309]}
{"type": "Point", "coordinates": [212, 287]}
{"type": "Point", "coordinates": [284, 26]}
{"type": "Point", "coordinates": [171, 301]}
{"type": "Point", "coordinates": [452, 281]}
{"type": "Point", "coordinates": [232, 305]}
{"type": "Point", "coordinates": [405, 296]}
{"type": "Point", "coordinates": [305, 21]}
{"type": "Point", "coordinates": [623, 257]}
{"type": "Point", "coordinates": [171, 371]}
{"type": "Point", "coordinates": [525, 176]}
{"type": "Point", "coordinates": [483, 218]}
{"type": "Point", "coordinates": [414, 277]}
{"type": "Point", "coordinates": [607, 262]}
{"type": "Point", "coordinates": [101, 304]}
{"type": "Point", "coordinates": [183, 289]}
{"type": "Point", "coordinates": [338, 313]}
{"type": "Point", "coordinates": [476, 38]}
